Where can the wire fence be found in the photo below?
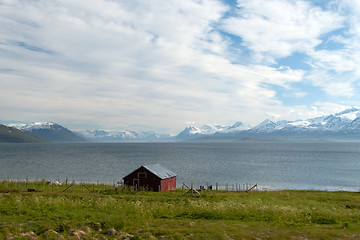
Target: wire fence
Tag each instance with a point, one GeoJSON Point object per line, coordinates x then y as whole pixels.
{"type": "Point", "coordinates": [237, 187]}
{"type": "Point", "coordinates": [71, 185]}
{"type": "Point", "coordinates": [67, 185]}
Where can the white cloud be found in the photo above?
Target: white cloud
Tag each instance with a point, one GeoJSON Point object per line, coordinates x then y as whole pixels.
{"type": "Point", "coordinates": [338, 61]}
{"type": "Point", "coordinates": [159, 63]}
{"type": "Point", "coordinates": [326, 108]}
{"type": "Point", "coordinates": [300, 94]}
{"type": "Point", "coordinates": [278, 28]}
{"type": "Point", "coordinates": [334, 67]}
{"type": "Point", "coordinates": [126, 62]}
{"type": "Point", "coordinates": [339, 89]}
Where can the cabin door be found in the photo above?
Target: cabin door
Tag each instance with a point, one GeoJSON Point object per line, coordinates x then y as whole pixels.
{"type": "Point", "coordinates": [136, 184]}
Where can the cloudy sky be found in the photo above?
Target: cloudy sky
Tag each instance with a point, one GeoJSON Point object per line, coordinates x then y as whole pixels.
{"type": "Point", "coordinates": [167, 64]}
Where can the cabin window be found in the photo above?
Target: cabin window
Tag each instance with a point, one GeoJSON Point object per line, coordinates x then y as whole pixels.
{"type": "Point", "coordinates": [141, 175]}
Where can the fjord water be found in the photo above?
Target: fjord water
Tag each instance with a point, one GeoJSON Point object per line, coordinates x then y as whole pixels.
{"type": "Point", "coordinates": [272, 165]}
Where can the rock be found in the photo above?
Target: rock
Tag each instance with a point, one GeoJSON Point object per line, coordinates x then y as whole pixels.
{"type": "Point", "coordinates": [50, 234]}
{"type": "Point", "coordinates": [125, 235]}
{"type": "Point", "coordinates": [79, 234]}
{"type": "Point", "coordinates": [30, 235]}
{"type": "Point", "coordinates": [111, 232]}
{"type": "Point", "coordinates": [97, 227]}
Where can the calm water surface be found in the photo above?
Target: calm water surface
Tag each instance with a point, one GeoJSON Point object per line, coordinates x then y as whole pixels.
{"type": "Point", "coordinates": [272, 165]}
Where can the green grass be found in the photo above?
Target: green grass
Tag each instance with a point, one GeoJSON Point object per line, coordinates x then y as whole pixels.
{"type": "Point", "coordinates": [148, 215]}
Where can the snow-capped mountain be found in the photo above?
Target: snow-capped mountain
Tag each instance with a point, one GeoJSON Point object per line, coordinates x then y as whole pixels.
{"type": "Point", "coordinates": [238, 126]}
{"type": "Point", "coordinates": [14, 135]}
{"type": "Point", "coordinates": [190, 132]}
{"type": "Point", "coordinates": [35, 125]}
{"type": "Point", "coordinates": [207, 130]}
{"type": "Point", "coordinates": [99, 135]}
{"type": "Point", "coordinates": [49, 131]}
{"type": "Point", "coordinates": [266, 126]}
{"type": "Point", "coordinates": [343, 123]}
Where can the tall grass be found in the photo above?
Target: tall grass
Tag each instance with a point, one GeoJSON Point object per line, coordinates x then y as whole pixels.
{"type": "Point", "coordinates": [213, 215]}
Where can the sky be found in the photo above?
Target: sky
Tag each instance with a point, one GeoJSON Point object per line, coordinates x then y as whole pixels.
{"type": "Point", "coordinates": [163, 65]}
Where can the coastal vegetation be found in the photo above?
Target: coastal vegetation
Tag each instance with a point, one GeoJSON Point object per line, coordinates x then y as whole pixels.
{"type": "Point", "coordinates": [105, 212]}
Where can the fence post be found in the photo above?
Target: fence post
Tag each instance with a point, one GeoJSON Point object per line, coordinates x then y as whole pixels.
{"type": "Point", "coordinates": [216, 186]}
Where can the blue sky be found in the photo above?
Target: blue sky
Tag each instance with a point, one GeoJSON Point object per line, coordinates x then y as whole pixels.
{"type": "Point", "coordinates": [166, 64]}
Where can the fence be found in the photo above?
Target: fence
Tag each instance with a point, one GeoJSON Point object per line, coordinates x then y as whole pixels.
{"type": "Point", "coordinates": [43, 185]}
{"type": "Point", "coordinates": [82, 186]}
{"type": "Point", "coordinates": [218, 187]}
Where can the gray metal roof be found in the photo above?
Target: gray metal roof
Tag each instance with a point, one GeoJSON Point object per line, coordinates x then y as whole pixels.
{"type": "Point", "coordinates": [160, 171]}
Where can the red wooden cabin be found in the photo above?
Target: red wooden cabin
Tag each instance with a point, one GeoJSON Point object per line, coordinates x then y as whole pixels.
{"type": "Point", "coordinates": [152, 177]}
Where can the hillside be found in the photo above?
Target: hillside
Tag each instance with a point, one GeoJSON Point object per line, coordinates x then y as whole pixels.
{"type": "Point", "coordinates": [50, 131]}
{"type": "Point", "coordinates": [13, 135]}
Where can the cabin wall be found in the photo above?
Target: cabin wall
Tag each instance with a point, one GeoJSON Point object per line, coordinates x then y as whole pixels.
{"type": "Point", "coordinates": [168, 184]}
{"type": "Point", "coordinates": [151, 181]}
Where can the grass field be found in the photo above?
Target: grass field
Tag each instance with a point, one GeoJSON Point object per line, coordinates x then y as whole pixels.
{"type": "Point", "coordinates": [79, 214]}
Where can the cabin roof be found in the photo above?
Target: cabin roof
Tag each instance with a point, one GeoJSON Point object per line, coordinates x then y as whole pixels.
{"type": "Point", "coordinates": [160, 171]}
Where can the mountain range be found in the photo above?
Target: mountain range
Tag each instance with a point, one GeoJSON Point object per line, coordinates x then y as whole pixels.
{"type": "Point", "coordinates": [342, 124]}
{"type": "Point", "coordinates": [100, 135]}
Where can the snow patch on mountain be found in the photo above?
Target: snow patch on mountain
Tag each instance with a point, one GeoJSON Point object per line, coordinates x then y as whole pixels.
{"type": "Point", "coordinates": [265, 126]}
{"type": "Point", "coordinates": [209, 129]}
{"type": "Point", "coordinates": [100, 135]}
{"type": "Point", "coordinates": [34, 125]}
